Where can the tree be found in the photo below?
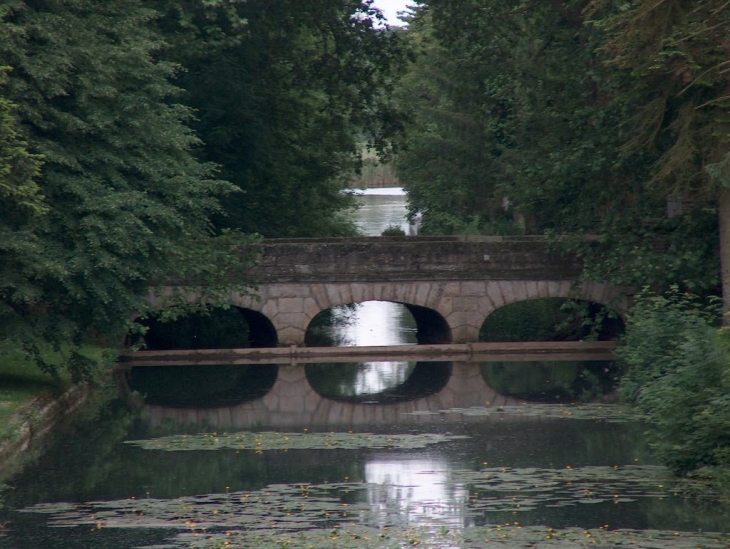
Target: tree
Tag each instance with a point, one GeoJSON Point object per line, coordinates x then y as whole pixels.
{"type": "Point", "coordinates": [525, 121]}
{"type": "Point", "coordinates": [286, 92]}
{"type": "Point", "coordinates": [449, 154]}
{"type": "Point", "coordinates": [127, 203]}
{"type": "Point", "coordinates": [18, 167]}
{"type": "Point", "coordinates": [671, 60]}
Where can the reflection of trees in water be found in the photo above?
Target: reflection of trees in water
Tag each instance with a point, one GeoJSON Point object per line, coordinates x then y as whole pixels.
{"type": "Point", "coordinates": [202, 386]}
{"type": "Point", "coordinates": [328, 328]}
{"type": "Point", "coordinates": [389, 381]}
{"type": "Point", "coordinates": [554, 381]}
{"type": "Point", "coordinates": [366, 323]}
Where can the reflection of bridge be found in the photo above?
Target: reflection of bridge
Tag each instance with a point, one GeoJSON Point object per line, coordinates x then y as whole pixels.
{"type": "Point", "coordinates": [450, 284]}
{"type": "Point", "coordinates": [292, 402]}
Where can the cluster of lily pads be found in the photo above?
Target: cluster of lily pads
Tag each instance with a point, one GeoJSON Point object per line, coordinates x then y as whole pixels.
{"type": "Point", "coordinates": [491, 537]}
{"type": "Point", "coordinates": [270, 440]}
{"type": "Point", "coordinates": [343, 515]}
{"type": "Point", "coordinates": [608, 413]}
{"type": "Point", "coordinates": [339, 515]}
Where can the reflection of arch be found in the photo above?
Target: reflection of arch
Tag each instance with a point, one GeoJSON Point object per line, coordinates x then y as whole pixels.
{"type": "Point", "coordinates": [207, 387]}
{"type": "Point", "coordinates": [426, 378]}
{"type": "Point", "coordinates": [292, 402]}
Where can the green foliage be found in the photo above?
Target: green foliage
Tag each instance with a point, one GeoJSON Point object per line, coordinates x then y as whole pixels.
{"type": "Point", "coordinates": [393, 230]}
{"type": "Point", "coordinates": [550, 319]}
{"type": "Point", "coordinates": [285, 93]}
{"type": "Point", "coordinates": [126, 203]}
{"type": "Point", "coordinates": [18, 167]}
{"type": "Point", "coordinates": [574, 118]}
{"type": "Point", "coordinates": [679, 375]}
{"type": "Point", "coordinates": [671, 62]}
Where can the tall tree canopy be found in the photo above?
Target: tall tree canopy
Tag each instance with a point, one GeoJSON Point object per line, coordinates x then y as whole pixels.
{"type": "Point", "coordinates": [672, 61]}
{"type": "Point", "coordinates": [19, 193]}
{"type": "Point", "coordinates": [286, 94]}
{"type": "Point", "coordinates": [574, 117]}
{"type": "Point", "coordinates": [125, 202]}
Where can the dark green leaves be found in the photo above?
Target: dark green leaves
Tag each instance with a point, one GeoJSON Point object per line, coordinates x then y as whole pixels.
{"type": "Point", "coordinates": [125, 197]}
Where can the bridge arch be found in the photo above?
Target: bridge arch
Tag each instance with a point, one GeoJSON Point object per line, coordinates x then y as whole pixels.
{"type": "Point", "coordinates": [291, 307]}
{"type": "Point", "coordinates": [463, 279]}
{"type": "Point", "coordinates": [496, 294]}
{"type": "Point", "coordinates": [461, 304]}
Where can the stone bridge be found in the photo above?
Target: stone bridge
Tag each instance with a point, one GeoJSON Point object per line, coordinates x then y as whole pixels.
{"type": "Point", "coordinates": [450, 284]}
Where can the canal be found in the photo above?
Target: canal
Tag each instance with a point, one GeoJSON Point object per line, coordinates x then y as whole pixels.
{"type": "Point", "coordinates": [369, 455]}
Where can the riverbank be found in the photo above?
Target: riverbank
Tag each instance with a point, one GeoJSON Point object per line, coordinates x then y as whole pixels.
{"type": "Point", "coordinates": [23, 431]}
{"type": "Point", "coordinates": [31, 403]}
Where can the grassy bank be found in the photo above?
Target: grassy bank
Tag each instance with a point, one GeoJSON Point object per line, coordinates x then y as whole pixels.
{"type": "Point", "coordinates": [20, 382]}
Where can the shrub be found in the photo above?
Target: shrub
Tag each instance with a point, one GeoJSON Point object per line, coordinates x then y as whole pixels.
{"type": "Point", "coordinates": [678, 374]}
{"type": "Point", "coordinates": [393, 230]}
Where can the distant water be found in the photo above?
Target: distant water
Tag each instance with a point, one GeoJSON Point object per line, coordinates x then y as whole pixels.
{"type": "Point", "coordinates": [380, 209]}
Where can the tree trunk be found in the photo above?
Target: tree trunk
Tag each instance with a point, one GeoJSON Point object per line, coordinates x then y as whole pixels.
{"type": "Point", "coordinates": [724, 219]}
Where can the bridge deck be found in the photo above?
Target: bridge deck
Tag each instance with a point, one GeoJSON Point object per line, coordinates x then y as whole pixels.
{"type": "Point", "coordinates": [478, 352]}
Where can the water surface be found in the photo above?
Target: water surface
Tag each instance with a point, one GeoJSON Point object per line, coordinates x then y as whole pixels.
{"type": "Point", "coordinates": [130, 478]}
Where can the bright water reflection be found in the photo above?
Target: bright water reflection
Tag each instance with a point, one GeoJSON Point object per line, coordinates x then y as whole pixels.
{"type": "Point", "coordinates": [376, 377]}
{"type": "Point", "coordinates": [381, 208]}
{"type": "Point", "coordinates": [371, 323]}
{"type": "Point", "coordinates": [415, 492]}
{"type": "Point", "coordinates": [378, 323]}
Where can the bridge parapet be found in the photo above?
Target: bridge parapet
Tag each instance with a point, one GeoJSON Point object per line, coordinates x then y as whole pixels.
{"type": "Point", "coordinates": [380, 259]}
